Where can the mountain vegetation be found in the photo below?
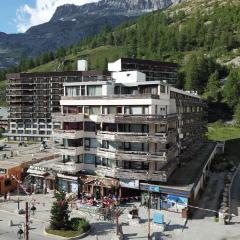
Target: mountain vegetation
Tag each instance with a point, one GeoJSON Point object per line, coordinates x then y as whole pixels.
{"type": "Point", "coordinates": [70, 24]}
{"type": "Point", "coordinates": [202, 41]}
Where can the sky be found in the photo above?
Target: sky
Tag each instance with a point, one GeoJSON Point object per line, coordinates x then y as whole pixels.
{"type": "Point", "coordinates": [17, 16]}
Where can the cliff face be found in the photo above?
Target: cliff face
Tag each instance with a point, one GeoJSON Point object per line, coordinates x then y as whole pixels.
{"type": "Point", "coordinates": [70, 24]}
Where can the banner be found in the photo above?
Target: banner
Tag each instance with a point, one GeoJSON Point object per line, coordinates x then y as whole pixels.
{"type": "Point", "coordinates": [129, 183]}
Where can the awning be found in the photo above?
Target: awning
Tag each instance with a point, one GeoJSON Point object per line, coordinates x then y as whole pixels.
{"type": "Point", "coordinates": [36, 172]}
{"type": "Point", "coordinates": [67, 177]}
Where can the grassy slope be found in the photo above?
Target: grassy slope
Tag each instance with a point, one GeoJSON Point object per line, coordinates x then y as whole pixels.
{"type": "Point", "coordinates": [96, 58]}
{"type": "Point", "coordinates": [223, 133]}
{"type": "Point", "coordinates": [232, 137]}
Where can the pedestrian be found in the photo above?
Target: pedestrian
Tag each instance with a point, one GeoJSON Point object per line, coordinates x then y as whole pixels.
{"type": "Point", "coordinates": [5, 196]}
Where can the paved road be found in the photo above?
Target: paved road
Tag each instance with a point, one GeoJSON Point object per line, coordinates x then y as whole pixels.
{"type": "Point", "coordinates": [235, 195]}
{"type": "Point", "coordinates": [8, 232]}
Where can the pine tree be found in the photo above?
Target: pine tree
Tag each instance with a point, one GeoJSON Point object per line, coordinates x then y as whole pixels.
{"type": "Point", "coordinates": [60, 213]}
{"type": "Point", "coordinates": [212, 91]}
{"type": "Point", "coordinates": [231, 88]}
{"type": "Point", "coordinates": [237, 114]}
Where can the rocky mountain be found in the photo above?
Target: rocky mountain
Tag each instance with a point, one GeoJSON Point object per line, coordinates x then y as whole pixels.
{"type": "Point", "coordinates": [70, 24]}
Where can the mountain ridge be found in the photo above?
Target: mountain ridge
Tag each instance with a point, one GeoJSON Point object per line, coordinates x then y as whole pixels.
{"type": "Point", "coordinates": [70, 24]}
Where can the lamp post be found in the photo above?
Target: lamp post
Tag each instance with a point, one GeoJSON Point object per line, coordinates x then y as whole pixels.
{"type": "Point", "coordinates": [149, 215]}
{"type": "Point", "coordinates": [148, 210]}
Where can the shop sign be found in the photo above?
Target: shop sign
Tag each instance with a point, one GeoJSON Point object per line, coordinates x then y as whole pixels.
{"type": "Point", "coordinates": [151, 188]}
{"type": "Point", "coordinates": [129, 183]}
{"type": "Point", "coordinates": [173, 202]}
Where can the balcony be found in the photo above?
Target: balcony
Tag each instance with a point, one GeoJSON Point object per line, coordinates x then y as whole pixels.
{"type": "Point", "coordinates": [69, 167]}
{"type": "Point", "coordinates": [70, 151]}
{"type": "Point", "coordinates": [160, 176]}
{"type": "Point", "coordinates": [58, 117]}
{"type": "Point", "coordinates": [141, 119]}
{"type": "Point", "coordinates": [136, 137]}
{"type": "Point", "coordinates": [133, 155]}
{"type": "Point", "coordinates": [68, 134]}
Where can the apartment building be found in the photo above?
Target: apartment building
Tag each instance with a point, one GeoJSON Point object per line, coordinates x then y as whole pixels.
{"type": "Point", "coordinates": [33, 97]}
{"type": "Point", "coordinates": [3, 118]}
{"type": "Point", "coordinates": [154, 70]}
{"type": "Point", "coordinates": [125, 131]}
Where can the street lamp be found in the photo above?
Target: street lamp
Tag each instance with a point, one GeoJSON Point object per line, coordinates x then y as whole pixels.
{"type": "Point", "coordinates": [149, 200]}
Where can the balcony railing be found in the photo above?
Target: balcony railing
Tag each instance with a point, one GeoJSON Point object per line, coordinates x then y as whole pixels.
{"type": "Point", "coordinates": [70, 151]}
{"type": "Point", "coordinates": [135, 137]}
{"type": "Point", "coordinates": [135, 174]}
{"type": "Point", "coordinates": [68, 167]}
{"type": "Point", "coordinates": [58, 117]}
{"type": "Point", "coordinates": [132, 155]}
{"type": "Point", "coordinates": [68, 134]}
{"type": "Point", "coordinates": [112, 118]}
{"type": "Point", "coordinates": [116, 96]}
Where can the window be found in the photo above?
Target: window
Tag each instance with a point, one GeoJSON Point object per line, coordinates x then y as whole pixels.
{"type": "Point", "coordinates": [112, 110]}
{"type": "Point", "coordinates": [162, 89]}
{"type": "Point", "coordinates": [137, 110]}
{"type": "Point", "coordinates": [94, 90]}
{"type": "Point", "coordinates": [82, 90]}
{"type": "Point", "coordinates": [89, 158]}
{"type": "Point", "coordinates": [119, 110]}
{"type": "Point", "coordinates": [89, 127]}
{"type": "Point", "coordinates": [72, 91]}
{"type": "Point", "coordinates": [94, 110]}
{"type": "Point", "coordinates": [146, 110]}
{"type": "Point", "coordinates": [98, 161]}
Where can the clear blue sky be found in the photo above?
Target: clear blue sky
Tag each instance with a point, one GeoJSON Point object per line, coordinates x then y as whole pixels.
{"type": "Point", "coordinates": [8, 14]}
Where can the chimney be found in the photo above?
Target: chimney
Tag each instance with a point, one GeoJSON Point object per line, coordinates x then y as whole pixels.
{"type": "Point", "coordinates": [82, 65]}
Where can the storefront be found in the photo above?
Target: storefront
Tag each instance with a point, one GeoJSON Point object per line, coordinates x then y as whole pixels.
{"type": "Point", "coordinates": [99, 187]}
{"type": "Point", "coordinates": [160, 197]}
{"type": "Point", "coordinates": [68, 184]}
{"type": "Point", "coordinates": [129, 188]}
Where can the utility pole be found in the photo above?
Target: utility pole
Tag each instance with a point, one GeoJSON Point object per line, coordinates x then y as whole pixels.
{"type": "Point", "coordinates": [149, 224]}
{"type": "Point", "coordinates": [27, 223]}
{"type": "Point", "coordinates": [18, 201]}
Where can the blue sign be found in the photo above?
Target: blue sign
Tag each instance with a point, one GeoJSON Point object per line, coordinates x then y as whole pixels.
{"type": "Point", "coordinates": [158, 218]}
{"type": "Point", "coordinates": [151, 188]}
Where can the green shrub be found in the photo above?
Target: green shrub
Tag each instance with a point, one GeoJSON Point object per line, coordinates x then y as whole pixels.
{"type": "Point", "coordinates": [79, 224]}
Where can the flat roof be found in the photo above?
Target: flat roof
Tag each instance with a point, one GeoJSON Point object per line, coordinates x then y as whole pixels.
{"type": "Point", "coordinates": [148, 62]}
{"type": "Point", "coordinates": [22, 155]}
{"type": "Point", "coordinates": [58, 74]}
{"type": "Point", "coordinates": [190, 171]}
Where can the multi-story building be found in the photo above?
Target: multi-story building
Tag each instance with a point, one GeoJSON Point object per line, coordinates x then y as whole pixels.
{"type": "Point", "coordinates": [154, 70]}
{"type": "Point", "coordinates": [126, 130]}
{"type": "Point", "coordinates": [33, 97]}
{"type": "Point", "coordinates": [4, 118]}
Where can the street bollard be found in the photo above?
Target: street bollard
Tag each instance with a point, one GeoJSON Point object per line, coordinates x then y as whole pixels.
{"type": "Point", "coordinates": [10, 223]}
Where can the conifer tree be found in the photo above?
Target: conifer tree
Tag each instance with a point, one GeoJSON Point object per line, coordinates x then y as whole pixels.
{"type": "Point", "coordinates": [59, 213]}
